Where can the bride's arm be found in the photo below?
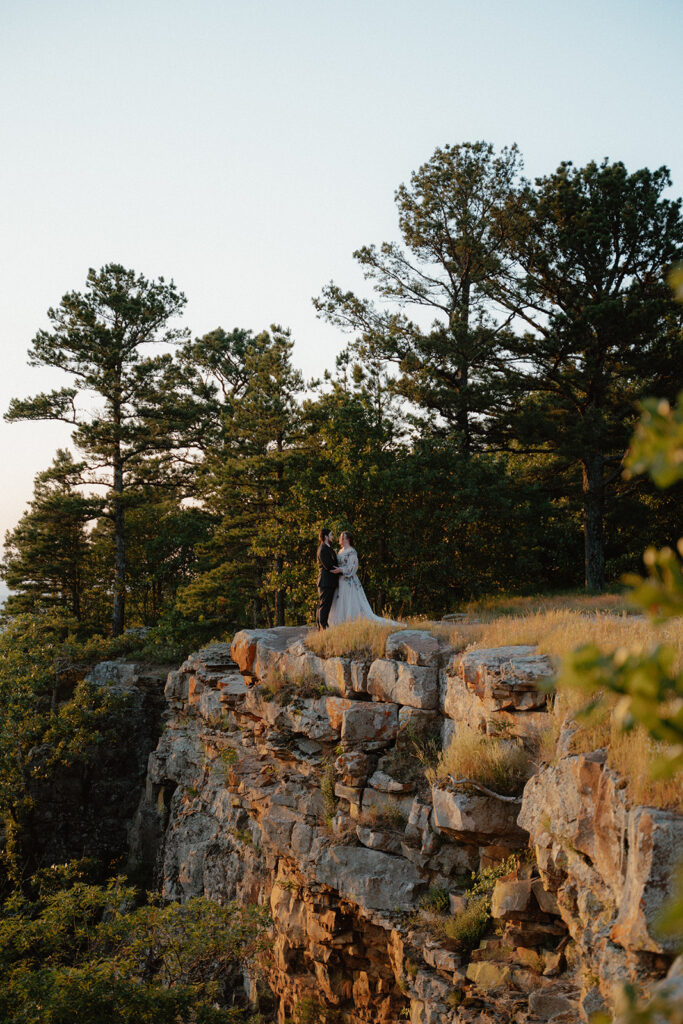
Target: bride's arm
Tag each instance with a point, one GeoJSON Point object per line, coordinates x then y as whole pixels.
{"type": "Point", "coordinates": [350, 567]}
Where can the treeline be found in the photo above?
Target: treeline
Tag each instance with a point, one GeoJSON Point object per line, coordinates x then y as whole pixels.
{"type": "Point", "coordinates": [472, 432]}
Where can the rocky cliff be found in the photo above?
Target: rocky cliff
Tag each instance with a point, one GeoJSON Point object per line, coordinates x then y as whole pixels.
{"type": "Point", "coordinates": [291, 779]}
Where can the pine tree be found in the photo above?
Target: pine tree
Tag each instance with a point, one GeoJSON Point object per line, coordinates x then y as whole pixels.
{"type": "Point", "coordinates": [46, 552]}
{"type": "Point", "coordinates": [453, 225]}
{"type": "Point", "coordinates": [96, 338]}
{"type": "Point", "coordinates": [591, 248]}
{"type": "Point", "coordinates": [248, 391]}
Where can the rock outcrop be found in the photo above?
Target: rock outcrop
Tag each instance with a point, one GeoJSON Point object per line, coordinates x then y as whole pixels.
{"type": "Point", "coordinates": [285, 778]}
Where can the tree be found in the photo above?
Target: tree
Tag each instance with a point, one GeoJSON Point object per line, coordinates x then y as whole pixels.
{"type": "Point", "coordinates": [451, 218]}
{"type": "Point", "coordinates": [85, 952]}
{"type": "Point", "coordinates": [96, 338]}
{"type": "Point", "coordinates": [591, 247]}
{"type": "Point", "coordinates": [247, 392]}
{"type": "Point", "coordinates": [45, 553]}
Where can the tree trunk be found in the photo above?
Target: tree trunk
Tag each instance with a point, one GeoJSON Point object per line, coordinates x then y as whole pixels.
{"type": "Point", "coordinates": [593, 507]}
{"type": "Point", "coordinates": [462, 326]}
{"type": "Point", "coordinates": [279, 595]}
{"type": "Point", "coordinates": [76, 601]}
{"type": "Point", "coordinates": [118, 613]}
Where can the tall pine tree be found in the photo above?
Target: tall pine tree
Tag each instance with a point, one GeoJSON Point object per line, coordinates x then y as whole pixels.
{"type": "Point", "coordinates": [589, 249]}
{"type": "Point", "coordinates": [96, 336]}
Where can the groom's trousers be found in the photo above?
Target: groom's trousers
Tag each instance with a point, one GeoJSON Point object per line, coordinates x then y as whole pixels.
{"type": "Point", "coordinates": [326, 595]}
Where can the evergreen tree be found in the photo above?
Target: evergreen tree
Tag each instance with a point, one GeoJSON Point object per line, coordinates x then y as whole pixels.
{"type": "Point", "coordinates": [591, 248]}
{"type": "Point", "coordinates": [96, 338]}
{"type": "Point", "coordinates": [248, 392]}
{"type": "Point", "coordinates": [451, 218]}
{"type": "Point", "coordinates": [46, 552]}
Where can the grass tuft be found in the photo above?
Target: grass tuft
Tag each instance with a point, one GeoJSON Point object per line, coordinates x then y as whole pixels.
{"type": "Point", "coordinates": [468, 928]}
{"type": "Point", "coordinates": [360, 638]}
{"type": "Point", "coordinates": [502, 765]}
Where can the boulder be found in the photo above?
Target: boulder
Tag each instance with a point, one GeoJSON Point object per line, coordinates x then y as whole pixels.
{"type": "Point", "coordinates": [416, 646]}
{"type": "Point", "coordinates": [513, 899]}
{"type": "Point", "coordinates": [375, 839]}
{"type": "Point", "coordinates": [370, 726]}
{"type": "Point", "coordinates": [354, 766]}
{"type": "Point", "coordinates": [335, 707]}
{"type": "Point", "coordinates": [385, 784]}
{"type": "Point", "coordinates": [489, 977]}
{"type": "Point", "coordinates": [412, 685]}
{"type": "Point", "coordinates": [546, 900]}
{"type": "Point", "coordinates": [548, 1003]}
{"type": "Point", "coordinates": [120, 673]}
{"type": "Point", "coordinates": [476, 815]}
{"type": "Point", "coordinates": [390, 804]}
{"type": "Point", "coordinates": [374, 880]}
{"type": "Point", "coordinates": [578, 800]}
{"type": "Point", "coordinates": [505, 678]}
{"type": "Point", "coordinates": [258, 651]}
{"type": "Point", "coordinates": [414, 723]}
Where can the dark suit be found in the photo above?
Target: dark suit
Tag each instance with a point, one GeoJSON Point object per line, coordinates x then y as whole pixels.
{"type": "Point", "coordinates": [327, 583]}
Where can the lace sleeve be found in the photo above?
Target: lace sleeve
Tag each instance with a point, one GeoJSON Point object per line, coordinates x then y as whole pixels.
{"type": "Point", "coordinates": [350, 566]}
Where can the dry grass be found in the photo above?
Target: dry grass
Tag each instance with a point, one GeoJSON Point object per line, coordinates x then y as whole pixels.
{"type": "Point", "coordinates": [557, 632]}
{"type": "Point", "coordinates": [387, 815]}
{"type": "Point", "coordinates": [502, 765]}
{"type": "Point", "coordinates": [631, 755]}
{"type": "Point", "coordinates": [360, 638]}
{"type": "Point", "coordinates": [493, 607]}
{"type": "Point", "coordinates": [284, 689]}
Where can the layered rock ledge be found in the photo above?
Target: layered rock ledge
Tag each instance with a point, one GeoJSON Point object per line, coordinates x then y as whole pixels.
{"type": "Point", "coordinates": [286, 778]}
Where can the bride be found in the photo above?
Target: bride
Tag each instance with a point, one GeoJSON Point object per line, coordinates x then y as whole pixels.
{"type": "Point", "coordinates": [349, 601]}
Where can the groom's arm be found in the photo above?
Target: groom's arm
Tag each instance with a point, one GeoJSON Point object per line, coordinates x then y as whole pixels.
{"type": "Point", "coordinates": [327, 558]}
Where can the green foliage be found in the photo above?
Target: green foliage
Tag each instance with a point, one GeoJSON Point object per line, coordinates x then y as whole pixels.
{"type": "Point", "coordinates": [45, 554]}
{"type": "Point", "coordinates": [435, 899]}
{"type": "Point", "coordinates": [96, 337]}
{"type": "Point", "coordinates": [468, 927]}
{"type": "Point", "coordinates": [88, 952]}
{"type": "Point", "coordinates": [52, 720]}
{"type": "Point", "coordinates": [658, 442]}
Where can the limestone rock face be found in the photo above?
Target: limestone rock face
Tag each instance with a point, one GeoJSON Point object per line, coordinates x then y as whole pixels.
{"type": "Point", "coordinates": [609, 867]}
{"type": "Point", "coordinates": [372, 879]}
{"type": "Point", "coordinates": [655, 847]}
{"type": "Point", "coordinates": [409, 685]}
{"type": "Point", "coordinates": [476, 816]}
{"type": "Point", "coordinates": [497, 689]}
{"type": "Point", "coordinates": [370, 726]}
{"type": "Point", "coordinates": [416, 646]}
{"type": "Point", "coordinates": [320, 807]}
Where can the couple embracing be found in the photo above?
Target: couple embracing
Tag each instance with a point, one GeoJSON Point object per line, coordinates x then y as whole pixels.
{"type": "Point", "coordinates": [341, 594]}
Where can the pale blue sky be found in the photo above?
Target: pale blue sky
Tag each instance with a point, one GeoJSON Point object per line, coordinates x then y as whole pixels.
{"type": "Point", "coordinates": [246, 148]}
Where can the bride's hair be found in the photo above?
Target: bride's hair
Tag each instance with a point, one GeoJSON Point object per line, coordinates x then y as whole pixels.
{"type": "Point", "coordinates": [348, 535]}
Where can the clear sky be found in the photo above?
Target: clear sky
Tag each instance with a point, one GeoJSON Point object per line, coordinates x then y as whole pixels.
{"type": "Point", "coordinates": [247, 147]}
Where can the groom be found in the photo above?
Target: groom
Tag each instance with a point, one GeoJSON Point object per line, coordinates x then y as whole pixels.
{"type": "Point", "coordinates": [328, 576]}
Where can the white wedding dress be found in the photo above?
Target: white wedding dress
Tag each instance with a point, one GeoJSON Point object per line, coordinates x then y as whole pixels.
{"type": "Point", "coordinates": [349, 600]}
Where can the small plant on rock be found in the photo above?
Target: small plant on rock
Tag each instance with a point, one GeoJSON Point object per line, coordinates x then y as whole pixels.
{"type": "Point", "coordinates": [436, 900]}
{"type": "Point", "coordinates": [386, 815]}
